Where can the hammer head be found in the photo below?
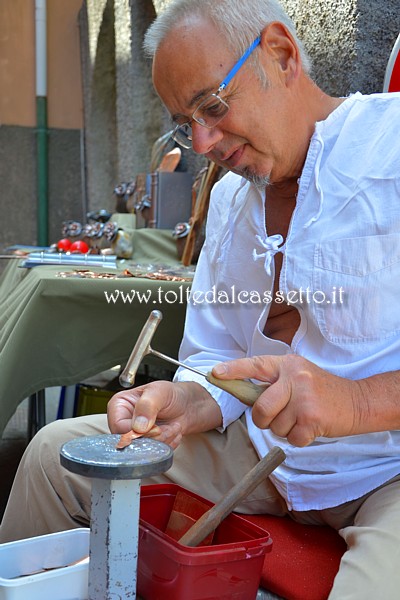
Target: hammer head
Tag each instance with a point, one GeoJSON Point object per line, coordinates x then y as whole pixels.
{"type": "Point", "coordinates": [141, 349]}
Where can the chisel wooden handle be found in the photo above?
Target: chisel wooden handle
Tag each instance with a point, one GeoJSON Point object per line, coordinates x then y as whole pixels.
{"type": "Point", "coordinates": [213, 517]}
{"type": "Point", "coordinates": [245, 391]}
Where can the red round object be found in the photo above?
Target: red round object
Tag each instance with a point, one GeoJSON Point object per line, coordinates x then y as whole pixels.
{"type": "Point", "coordinates": [63, 244]}
{"type": "Point", "coordinates": [79, 246]}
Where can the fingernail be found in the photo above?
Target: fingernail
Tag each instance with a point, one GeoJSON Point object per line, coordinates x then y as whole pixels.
{"type": "Point", "coordinates": [220, 369]}
{"type": "Point", "coordinates": [140, 424]}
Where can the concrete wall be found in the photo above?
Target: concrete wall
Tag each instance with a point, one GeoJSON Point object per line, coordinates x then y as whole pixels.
{"type": "Point", "coordinates": [18, 178]}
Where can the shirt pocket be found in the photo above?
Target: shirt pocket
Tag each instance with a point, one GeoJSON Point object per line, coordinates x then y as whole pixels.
{"type": "Point", "coordinates": [360, 282]}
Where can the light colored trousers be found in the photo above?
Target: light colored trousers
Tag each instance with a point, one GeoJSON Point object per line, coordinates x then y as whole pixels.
{"type": "Point", "coordinates": [46, 498]}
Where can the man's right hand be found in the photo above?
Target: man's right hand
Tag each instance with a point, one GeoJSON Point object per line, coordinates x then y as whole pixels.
{"type": "Point", "coordinates": [176, 408]}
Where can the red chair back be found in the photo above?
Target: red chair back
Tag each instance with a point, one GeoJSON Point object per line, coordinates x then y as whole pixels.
{"type": "Point", "coordinates": [392, 75]}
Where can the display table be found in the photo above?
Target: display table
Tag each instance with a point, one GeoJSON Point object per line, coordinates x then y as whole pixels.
{"type": "Point", "coordinates": [57, 330]}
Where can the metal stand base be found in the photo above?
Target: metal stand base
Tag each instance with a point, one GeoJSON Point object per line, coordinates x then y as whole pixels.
{"type": "Point", "coordinates": [114, 539]}
{"type": "Point", "coordinates": [115, 506]}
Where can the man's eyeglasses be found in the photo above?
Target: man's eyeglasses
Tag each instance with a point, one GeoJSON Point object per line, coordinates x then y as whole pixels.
{"type": "Point", "coordinates": [213, 109]}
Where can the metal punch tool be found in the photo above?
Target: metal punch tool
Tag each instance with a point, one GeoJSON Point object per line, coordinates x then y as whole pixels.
{"type": "Point", "coordinates": [245, 391]}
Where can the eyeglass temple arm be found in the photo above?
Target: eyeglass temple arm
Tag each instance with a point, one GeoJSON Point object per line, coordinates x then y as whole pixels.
{"type": "Point", "coordinates": [239, 63]}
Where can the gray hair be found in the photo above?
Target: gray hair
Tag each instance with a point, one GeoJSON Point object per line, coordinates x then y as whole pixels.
{"type": "Point", "coordinates": [240, 22]}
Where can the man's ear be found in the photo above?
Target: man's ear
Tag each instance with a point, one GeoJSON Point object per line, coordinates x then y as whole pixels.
{"type": "Point", "coordinates": [278, 46]}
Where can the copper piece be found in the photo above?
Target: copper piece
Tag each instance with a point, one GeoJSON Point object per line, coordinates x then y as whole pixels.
{"type": "Point", "coordinates": [127, 273]}
{"type": "Point", "coordinates": [127, 438]}
{"type": "Point", "coordinates": [86, 274]}
{"type": "Point", "coordinates": [155, 275]}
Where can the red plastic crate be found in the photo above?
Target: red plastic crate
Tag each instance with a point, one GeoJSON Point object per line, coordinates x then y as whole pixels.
{"type": "Point", "coordinates": [229, 569]}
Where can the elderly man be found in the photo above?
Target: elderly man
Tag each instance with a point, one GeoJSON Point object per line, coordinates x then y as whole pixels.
{"type": "Point", "coordinates": [303, 260]}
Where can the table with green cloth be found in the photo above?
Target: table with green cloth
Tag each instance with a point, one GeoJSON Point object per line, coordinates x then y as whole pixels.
{"type": "Point", "coordinates": [57, 330]}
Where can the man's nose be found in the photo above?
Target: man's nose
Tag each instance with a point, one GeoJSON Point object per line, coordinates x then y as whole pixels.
{"type": "Point", "coordinates": [204, 139]}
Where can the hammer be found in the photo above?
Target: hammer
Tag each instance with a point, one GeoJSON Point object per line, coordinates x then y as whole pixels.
{"type": "Point", "coordinates": [245, 391]}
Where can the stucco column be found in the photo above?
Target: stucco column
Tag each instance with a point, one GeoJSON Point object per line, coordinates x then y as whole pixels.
{"type": "Point", "coordinates": [138, 110]}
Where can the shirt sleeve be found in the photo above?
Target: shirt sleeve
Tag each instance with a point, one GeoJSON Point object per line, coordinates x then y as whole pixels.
{"type": "Point", "coordinates": [206, 340]}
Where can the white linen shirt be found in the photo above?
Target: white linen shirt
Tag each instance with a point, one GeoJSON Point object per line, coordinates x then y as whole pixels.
{"type": "Point", "coordinates": [344, 243]}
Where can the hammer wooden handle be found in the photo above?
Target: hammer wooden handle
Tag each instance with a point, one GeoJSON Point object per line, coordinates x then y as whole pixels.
{"type": "Point", "coordinates": [213, 517]}
{"type": "Point", "coordinates": [245, 391]}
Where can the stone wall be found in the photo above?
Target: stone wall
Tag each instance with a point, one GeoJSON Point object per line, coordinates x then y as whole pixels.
{"type": "Point", "coordinates": [349, 41]}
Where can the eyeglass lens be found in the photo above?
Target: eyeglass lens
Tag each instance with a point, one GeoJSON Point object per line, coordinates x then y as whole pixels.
{"type": "Point", "coordinates": [182, 134]}
{"type": "Point", "coordinates": [208, 114]}
{"type": "Point", "coordinates": [211, 111]}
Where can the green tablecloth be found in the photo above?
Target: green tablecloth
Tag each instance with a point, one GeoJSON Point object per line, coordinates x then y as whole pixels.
{"type": "Point", "coordinates": [58, 331]}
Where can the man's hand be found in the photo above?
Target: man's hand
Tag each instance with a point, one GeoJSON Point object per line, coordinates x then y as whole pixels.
{"type": "Point", "coordinates": [176, 408]}
{"type": "Point", "coordinates": [303, 401]}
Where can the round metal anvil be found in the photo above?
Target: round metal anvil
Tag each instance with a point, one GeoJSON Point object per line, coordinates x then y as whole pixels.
{"type": "Point", "coordinates": [97, 456]}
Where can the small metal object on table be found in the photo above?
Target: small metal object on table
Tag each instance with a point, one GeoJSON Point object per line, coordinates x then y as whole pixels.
{"type": "Point", "coordinates": [115, 504]}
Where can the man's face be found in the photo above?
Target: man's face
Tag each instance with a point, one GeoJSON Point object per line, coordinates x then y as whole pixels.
{"type": "Point", "coordinates": [256, 137]}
